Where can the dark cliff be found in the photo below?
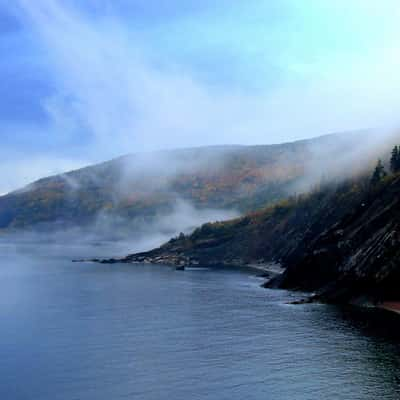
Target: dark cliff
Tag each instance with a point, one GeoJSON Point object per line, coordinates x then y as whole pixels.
{"type": "Point", "coordinates": [356, 256]}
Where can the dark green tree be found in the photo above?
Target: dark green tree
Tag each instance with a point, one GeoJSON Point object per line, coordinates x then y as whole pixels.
{"type": "Point", "coordinates": [395, 160]}
{"type": "Point", "coordinates": [379, 173]}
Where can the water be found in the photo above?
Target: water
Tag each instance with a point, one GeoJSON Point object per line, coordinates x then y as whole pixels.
{"type": "Point", "coordinates": [88, 331]}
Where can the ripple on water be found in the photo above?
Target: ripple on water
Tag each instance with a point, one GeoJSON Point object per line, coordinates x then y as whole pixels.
{"type": "Point", "coordinates": [149, 332]}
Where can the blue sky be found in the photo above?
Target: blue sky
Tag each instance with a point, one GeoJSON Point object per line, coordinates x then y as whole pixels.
{"type": "Point", "coordinates": [86, 81]}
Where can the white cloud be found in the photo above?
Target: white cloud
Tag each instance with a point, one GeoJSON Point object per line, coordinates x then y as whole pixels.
{"type": "Point", "coordinates": [106, 86]}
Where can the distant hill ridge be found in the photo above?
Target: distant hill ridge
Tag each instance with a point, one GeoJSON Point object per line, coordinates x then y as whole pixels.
{"type": "Point", "coordinates": [134, 189]}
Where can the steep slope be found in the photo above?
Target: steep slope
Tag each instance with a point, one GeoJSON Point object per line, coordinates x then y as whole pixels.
{"type": "Point", "coordinates": [357, 256]}
{"type": "Point", "coordinates": [139, 188]}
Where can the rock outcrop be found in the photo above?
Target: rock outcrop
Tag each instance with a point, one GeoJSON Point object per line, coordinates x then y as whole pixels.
{"type": "Point", "coordinates": [356, 258]}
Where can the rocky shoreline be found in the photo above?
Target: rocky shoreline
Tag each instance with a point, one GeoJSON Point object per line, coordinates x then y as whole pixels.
{"type": "Point", "coordinates": [267, 269]}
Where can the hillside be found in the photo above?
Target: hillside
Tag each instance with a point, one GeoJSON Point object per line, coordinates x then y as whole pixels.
{"type": "Point", "coordinates": [340, 241]}
{"type": "Point", "coordinates": [273, 234]}
{"type": "Point", "coordinates": [136, 189]}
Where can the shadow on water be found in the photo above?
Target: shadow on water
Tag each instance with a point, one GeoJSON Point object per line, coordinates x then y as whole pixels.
{"type": "Point", "coordinates": [376, 324]}
{"type": "Point", "coordinates": [377, 344]}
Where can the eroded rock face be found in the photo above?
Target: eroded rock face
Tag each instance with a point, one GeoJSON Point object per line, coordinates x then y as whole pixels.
{"type": "Point", "coordinates": [357, 256]}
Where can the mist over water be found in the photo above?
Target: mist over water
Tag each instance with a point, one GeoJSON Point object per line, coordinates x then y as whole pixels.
{"type": "Point", "coordinates": [85, 82]}
{"type": "Point", "coordinates": [93, 331]}
{"type": "Point", "coordinates": [151, 197]}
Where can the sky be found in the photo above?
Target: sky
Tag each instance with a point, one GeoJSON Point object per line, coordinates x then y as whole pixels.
{"type": "Point", "coordinates": [86, 81]}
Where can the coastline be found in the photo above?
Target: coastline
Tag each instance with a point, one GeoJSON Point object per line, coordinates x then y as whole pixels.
{"type": "Point", "coordinates": [268, 270]}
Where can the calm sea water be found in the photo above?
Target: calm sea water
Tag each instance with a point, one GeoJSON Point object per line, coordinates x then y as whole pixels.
{"type": "Point", "coordinates": [87, 331]}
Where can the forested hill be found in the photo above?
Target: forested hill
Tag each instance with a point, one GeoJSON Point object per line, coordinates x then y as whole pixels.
{"type": "Point", "coordinates": [134, 189]}
{"type": "Point", "coordinates": [341, 241]}
{"type": "Point", "coordinates": [274, 234]}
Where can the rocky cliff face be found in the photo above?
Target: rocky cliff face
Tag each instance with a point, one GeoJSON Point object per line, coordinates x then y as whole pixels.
{"type": "Point", "coordinates": [358, 256]}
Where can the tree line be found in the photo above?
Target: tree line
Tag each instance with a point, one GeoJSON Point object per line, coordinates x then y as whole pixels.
{"type": "Point", "coordinates": [380, 171]}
